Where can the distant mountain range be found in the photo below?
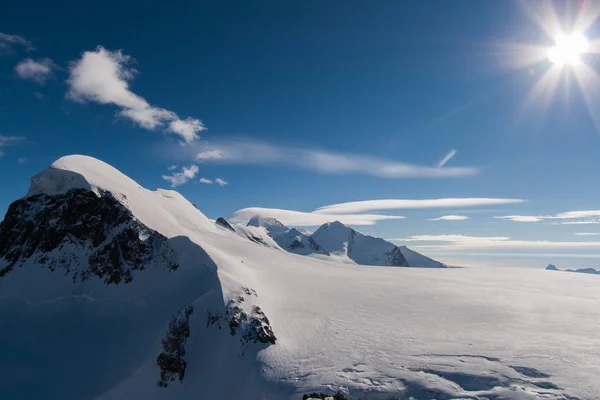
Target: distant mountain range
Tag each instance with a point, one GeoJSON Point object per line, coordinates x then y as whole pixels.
{"type": "Point", "coordinates": [552, 267]}
{"type": "Point", "coordinates": [335, 240]}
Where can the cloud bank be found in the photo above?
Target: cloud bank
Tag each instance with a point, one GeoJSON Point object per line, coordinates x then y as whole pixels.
{"type": "Point", "coordinates": [247, 152]}
{"type": "Point", "coordinates": [103, 76]}
{"type": "Point", "coordinates": [580, 215]}
{"type": "Point", "coordinates": [299, 218]}
{"type": "Point", "coordinates": [396, 204]}
{"type": "Point", "coordinates": [460, 242]}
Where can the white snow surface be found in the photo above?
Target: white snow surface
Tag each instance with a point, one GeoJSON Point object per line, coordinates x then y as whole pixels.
{"type": "Point", "coordinates": [385, 333]}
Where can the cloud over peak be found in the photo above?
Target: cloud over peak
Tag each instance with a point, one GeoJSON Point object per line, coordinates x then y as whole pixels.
{"type": "Point", "coordinates": [103, 76]}
{"type": "Point", "coordinates": [300, 218]}
{"type": "Point", "coordinates": [397, 204]}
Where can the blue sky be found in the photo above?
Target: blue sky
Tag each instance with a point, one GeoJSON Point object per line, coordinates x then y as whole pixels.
{"type": "Point", "coordinates": [300, 105]}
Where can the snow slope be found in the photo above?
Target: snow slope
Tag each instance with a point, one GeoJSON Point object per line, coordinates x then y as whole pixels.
{"type": "Point", "coordinates": [397, 332]}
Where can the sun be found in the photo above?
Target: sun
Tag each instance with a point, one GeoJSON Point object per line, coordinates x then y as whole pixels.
{"type": "Point", "coordinates": [568, 49]}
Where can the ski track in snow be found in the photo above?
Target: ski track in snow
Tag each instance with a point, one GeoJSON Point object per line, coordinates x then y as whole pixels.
{"type": "Point", "coordinates": [376, 333]}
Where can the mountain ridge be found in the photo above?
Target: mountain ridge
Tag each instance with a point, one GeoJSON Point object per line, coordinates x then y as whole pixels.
{"type": "Point", "coordinates": [342, 242]}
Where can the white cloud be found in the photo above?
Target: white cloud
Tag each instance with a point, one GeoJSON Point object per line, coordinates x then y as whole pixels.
{"type": "Point", "coordinates": [446, 158]}
{"type": "Point", "coordinates": [584, 222]}
{"type": "Point", "coordinates": [521, 218]}
{"type": "Point", "coordinates": [221, 182]}
{"type": "Point", "coordinates": [587, 233]}
{"type": "Point", "coordinates": [393, 204]}
{"type": "Point", "coordinates": [21, 160]}
{"type": "Point", "coordinates": [460, 242]}
{"type": "Point", "coordinates": [103, 76]}
{"type": "Point", "coordinates": [180, 178]}
{"type": "Point", "coordinates": [299, 218]}
{"type": "Point", "coordinates": [8, 41]}
{"type": "Point", "coordinates": [451, 238]}
{"type": "Point", "coordinates": [38, 71]}
{"type": "Point", "coordinates": [204, 180]}
{"type": "Point", "coordinates": [209, 155]}
{"type": "Point", "coordinates": [6, 141]}
{"type": "Point", "coordinates": [450, 218]}
{"type": "Point", "coordinates": [563, 215]}
{"type": "Point", "coordinates": [172, 167]}
{"type": "Point", "coordinates": [258, 153]}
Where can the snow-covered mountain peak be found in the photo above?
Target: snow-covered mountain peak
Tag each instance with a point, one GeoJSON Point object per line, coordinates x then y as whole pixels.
{"type": "Point", "coordinates": [80, 172]}
{"type": "Point", "coordinates": [335, 228]}
{"type": "Point", "coordinates": [272, 225]}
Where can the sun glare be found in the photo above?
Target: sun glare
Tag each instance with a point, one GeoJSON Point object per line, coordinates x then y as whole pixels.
{"type": "Point", "coordinates": [568, 49]}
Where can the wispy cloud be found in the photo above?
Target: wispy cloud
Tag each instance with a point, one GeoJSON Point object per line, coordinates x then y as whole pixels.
{"type": "Point", "coordinates": [221, 182]}
{"type": "Point", "coordinates": [396, 204]}
{"type": "Point", "coordinates": [584, 222]}
{"type": "Point", "coordinates": [7, 43]}
{"type": "Point", "coordinates": [21, 160]}
{"type": "Point", "coordinates": [587, 233]}
{"type": "Point", "coordinates": [38, 71]}
{"type": "Point", "coordinates": [6, 141]}
{"type": "Point", "coordinates": [460, 242]}
{"type": "Point", "coordinates": [206, 181]}
{"type": "Point", "coordinates": [560, 216]}
{"type": "Point", "coordinates": [209, 155]}
{"type": "Point", "coordinates": [446, 158]}
{"type": "Point", "coordinates": [450, 218]}
{"type": "Point", "coordinates": [299, 218]}
{"type": "Point", "coordinates": [180, 178]}
{"type": "Point", "coordinates": [103, 76]}
{"type": "Point", "coordinates": [260, 153]}
{"type": "Point", "coordinates": [172, 167]}
{"type": "Point", "coordinates": [521, 218]}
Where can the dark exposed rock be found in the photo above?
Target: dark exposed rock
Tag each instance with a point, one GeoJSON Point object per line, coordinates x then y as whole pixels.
{"type": "Point", "coordinates": [171, 361]}
{"type": "Point", "coordinates": [96, 236]}
{"type": "Point", "coordinates": [223, 222]}
{"type": "Point", "coordinates": [395, 258]}
{"type": "Point", "coordinates": [254, 325]}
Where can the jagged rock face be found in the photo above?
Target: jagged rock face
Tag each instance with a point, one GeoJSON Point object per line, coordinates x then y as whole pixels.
{"type": "Point", "coordinates": [395, 258]}
{"type": "Point", "coordinates": [249, 319]}
{"type": "Point", "coordinates": [223, 222]}
{"type": "Point", "coordinates": [171, 361]}
{"type": "Point", "coordinates": [83, 233]}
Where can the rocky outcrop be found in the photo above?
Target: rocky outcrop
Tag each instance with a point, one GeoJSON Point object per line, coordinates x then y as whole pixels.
{"type": "Point", "coordinates": [83, 233]}
{"type": "Point", "coordinates": [223, 222]}
{"type": "Point", "coordinates": [241, 316]}
{"type": "Point", "coordinates": [171, 361]}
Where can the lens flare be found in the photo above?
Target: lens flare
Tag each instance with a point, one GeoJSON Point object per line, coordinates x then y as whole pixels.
{"type": "Point", "coordinates": [568, 49]}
